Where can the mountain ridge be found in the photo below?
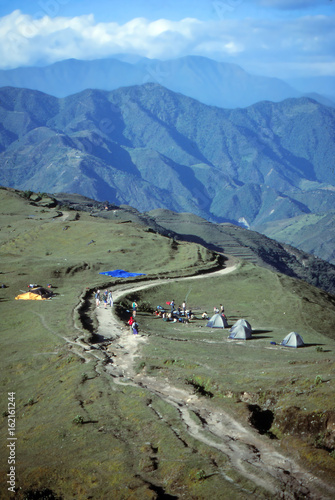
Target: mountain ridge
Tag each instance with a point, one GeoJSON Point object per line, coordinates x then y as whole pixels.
{"type": "Point", "coordinates": [212, 82]}
{"type": "Point", "coordinates": [232, 242]}
{"type": "Point", "coordinates": [150, 148]}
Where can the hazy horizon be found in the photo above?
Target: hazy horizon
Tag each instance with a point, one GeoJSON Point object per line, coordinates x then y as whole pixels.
{"type": "Point", "coordinates": [284, 39]}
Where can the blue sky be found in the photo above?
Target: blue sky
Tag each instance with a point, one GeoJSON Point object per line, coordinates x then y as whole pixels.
{"type": "Point", "coordinates": [282, 38]}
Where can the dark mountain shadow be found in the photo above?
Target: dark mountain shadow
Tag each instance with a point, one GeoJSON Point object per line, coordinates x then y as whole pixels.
{"type": "Point", "coordinates": [297, 203]}
{"type": "Point", "coordinates": [188, 179]}
{"type": "Point", "coordinates": [184, 142]}
{"type": "Point", "coordinates": [189, 146]}
{"type": "Point", "coordinates": [296, 166]}
{"type": "Point", "coordinates": [116, 156]}
{"type": "Point", "coordinates": [103, 190]}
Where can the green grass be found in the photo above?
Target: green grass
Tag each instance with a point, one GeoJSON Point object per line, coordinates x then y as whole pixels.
{"type": "Point", "coordinates": [81, 435]}
{"type": "Point", "coordinates": [77, 432]}
{"type": "Point", "coordinates": [235, 374]}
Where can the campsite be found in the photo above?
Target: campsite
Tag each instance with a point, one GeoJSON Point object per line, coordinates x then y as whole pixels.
{"type": "Point", "coordinates": [138, 420]}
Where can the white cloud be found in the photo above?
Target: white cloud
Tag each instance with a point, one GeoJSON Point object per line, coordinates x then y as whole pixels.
{"type": "Point", "coordinates": [253, 43]}
{"type": "Point", "coordinates": [24, 40]}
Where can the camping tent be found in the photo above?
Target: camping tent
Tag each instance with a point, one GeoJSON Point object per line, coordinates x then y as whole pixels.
{"type": "Point", "coordinates": [242, 322]}
{"type": "Point", "coordinates": [241, 330]}
{"type": "Point", "coordinates": [38, 293]}
{"type": "Point", "coordinates": [293, 339]}
{"type": "Point", "coordinates": [218, 321]}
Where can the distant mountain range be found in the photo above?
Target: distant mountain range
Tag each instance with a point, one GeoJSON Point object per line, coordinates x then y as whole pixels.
{"type": "Point", "coordinates": [210, 82]}
{"type": "Point", "coordinates": [151, 148]}
{"type": "Point", "coordinates": [324, 85]}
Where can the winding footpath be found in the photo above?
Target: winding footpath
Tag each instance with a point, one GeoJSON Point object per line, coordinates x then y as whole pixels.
{"type": "Point", "coordinates": [250, 454]}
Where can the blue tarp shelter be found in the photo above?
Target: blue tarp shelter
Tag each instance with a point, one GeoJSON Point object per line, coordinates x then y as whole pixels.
{"type": "Point", "coordinates": [120, 273]}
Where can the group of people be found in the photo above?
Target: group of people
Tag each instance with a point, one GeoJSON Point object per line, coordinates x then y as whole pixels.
{"type": "Point", "coordinates": [180, 313]}
{"type": "Point", "coordinates": [219, 311]}
{"type": "Point", "coordinates": [106, 298]}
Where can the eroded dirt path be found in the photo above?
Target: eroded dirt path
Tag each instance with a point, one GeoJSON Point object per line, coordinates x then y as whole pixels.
{"type": "Point", "coordinates": [250, 454]}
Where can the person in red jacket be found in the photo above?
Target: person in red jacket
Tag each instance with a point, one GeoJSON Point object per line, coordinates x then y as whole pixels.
{"type": "Point", "coordinates": [130, 323]}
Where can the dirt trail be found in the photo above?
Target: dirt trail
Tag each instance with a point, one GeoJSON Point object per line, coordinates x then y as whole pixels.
{"type": "Point", "coordinates": [249, 453]}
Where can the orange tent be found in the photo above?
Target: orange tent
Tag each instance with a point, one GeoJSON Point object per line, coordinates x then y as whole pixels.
{"type": "Point", "coordinates": [38, 293]}
{"type": "Point", "coordinates": [29, 296]}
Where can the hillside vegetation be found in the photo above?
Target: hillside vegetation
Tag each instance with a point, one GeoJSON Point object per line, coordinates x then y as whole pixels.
{"type": "Point", "coordinates": [151, 148]}
{"type": "Point", "coordinates": [253, 247]}
{"type": "Point", "coordinates": [82, 431]}
{"type": "Point", "coordinates": [313, 232]}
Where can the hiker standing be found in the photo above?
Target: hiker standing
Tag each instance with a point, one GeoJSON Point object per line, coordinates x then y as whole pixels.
{"type": "Point", "coordinates": [184, 308]}
{"type": "Point", "coordinates": [172, 306]}
{"type": "Point", "coordinates": [221, 309]}
{"type": "Point", "coordinates": [110, 299]}
{"type": "Point", "coordinates": [135, 306]}
{"type": "Point", "coordinates": [97, 298]}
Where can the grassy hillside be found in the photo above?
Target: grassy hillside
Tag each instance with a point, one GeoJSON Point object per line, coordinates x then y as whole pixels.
{"type": "Point", "coordinates": [39, 360]}
{"type": "Point", "coordinates": [274, 305]}
{"type": "Point", "coordinates": [256, 248]}
{"type": "Point", "coordinates": [313, 232]}
{"type": "Point", "coordinates": [82, 433]}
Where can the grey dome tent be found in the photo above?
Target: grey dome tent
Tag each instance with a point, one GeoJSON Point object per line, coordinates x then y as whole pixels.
{"type": "Point", "coordinates": [293, 339]}
{"type": "Point", "coordinates": [241, 330]}
{"type": "Point", "coordinates": [218, 321]}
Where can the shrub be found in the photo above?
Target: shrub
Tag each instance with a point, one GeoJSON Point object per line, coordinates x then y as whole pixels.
{"type": "Point", "coordinates": [78, 420]}
{"type": "Point", "coordinates": [27, 194]}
